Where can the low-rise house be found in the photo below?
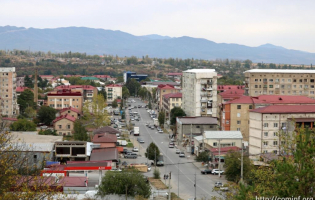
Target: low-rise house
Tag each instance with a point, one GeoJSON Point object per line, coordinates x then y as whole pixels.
{"type": "Point", "coordinates": [267, 126]}
{"type": "Point", "coordinates": [73, 112]}
{"type": "Point", "coordinates": [103, 77]}
{"type": "Point", "coordinates": [19, 90]}
{"type": "Point", "coordinates": [59, 81]}
{"type": "Point", "coordinates": [105, 140]}
{"type": "Point", "coordinates": [188, 127]}
{"type": "Point", "coordinates": [73, 150]}
{"type": "Point", "coordinates": [64, 124]}
{"type": "Point", "coordinates": [106, 129]}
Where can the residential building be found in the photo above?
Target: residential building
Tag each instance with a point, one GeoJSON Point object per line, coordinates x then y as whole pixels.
{"type": "Point", "coordinates": [188, 127]}
{"type": "Point", "coordinates": [19, 90]}
{"type": "Point", "coordinates": [87, 91]}
{"type": "Point", "coordinates": [134, 75]}
{"type": "Point", "coordinates": [163, 90]}
{"type": "Point", "coordinates": [113, 92]}
{"type": "Point", "coordinates": [105, 140]}
{"type": "Point", "coordinates": [65, 98]}
{"type": "Point", "coordinates": [149, 85]}
{"type": "Point", "coordinates": [10, 107]}
{"type": "Point", "coordinates": [73, 112]}
{"type": "Point", "coordinates": [200, 92]}
{"type": "Point", "coordinates": [216, 139]}
{"type": "Point", "coordinates": [20, 81]}
{"type": "Point", "coordinates": [170, 101]}
{"type": "Point", "coordinates": [90, 78]}
{"type": "Point", "coordinates": [103, 77]}
{"type": "Point", "coordinates": [64, 124]}
{"type": "Point", "coordinates": [73, 150]}
{"type": "Point", "coordinates": [267, 124]}
{"type": "Point", "coordinates": [106, 129]}
{"type": "Point", "coordinates": [47, 77]}
{"type": "Point", "coordinates": [59, 82]}
{"type": "Point", "coordinates": [280, 82]}
{"type": "Point", "coordinates": [223, 88]}
{"type": "Point", "coordinates": [235, 113]}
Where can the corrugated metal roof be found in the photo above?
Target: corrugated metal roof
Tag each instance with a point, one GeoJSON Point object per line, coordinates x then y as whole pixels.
{"type": "Point", "coordinates": [286, 109]}
{"type": "Point", "coordinates": [223, 135]}
{"type": "Point", "coordinates": [104, 154]}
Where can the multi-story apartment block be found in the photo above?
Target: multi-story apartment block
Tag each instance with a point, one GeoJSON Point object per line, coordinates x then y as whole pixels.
{"type": "Point", "coordinates": [280, 81]}
{"type": "Point", "coordinates": [64, 99]}
{"type": "Point", "coordinates": [200, 92]}
{"type": "Point", "coordinates": [113, 92]}
{"type": "Point", "coordinates": [268, 124]}
{"type": "Point", "coordinates": [163, 90]}
{"type": "Point", "coordinates": [10, 107]}
{"type": "Point", "coordinates": [235, 113]}
{"type": "Point", "coordinates": [87, 91]}
{"type": "Point", "coordinates": [170, 101]}
{"type": "Point", "coordinates": [20, 81]}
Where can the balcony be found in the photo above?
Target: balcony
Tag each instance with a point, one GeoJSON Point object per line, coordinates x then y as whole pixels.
{"type": "Point", "coordinates": [206, 82]}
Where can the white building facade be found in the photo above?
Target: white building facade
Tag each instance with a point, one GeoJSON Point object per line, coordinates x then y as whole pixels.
{"type": "Point", "coordinates": [200, 92]}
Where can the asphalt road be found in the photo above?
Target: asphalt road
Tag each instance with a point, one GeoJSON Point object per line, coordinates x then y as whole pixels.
{"type": "Point", "coordinates": [183, 171]}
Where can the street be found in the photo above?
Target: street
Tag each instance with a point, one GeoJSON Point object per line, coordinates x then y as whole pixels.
{"type": "Point", "coordinates": [183, 171]}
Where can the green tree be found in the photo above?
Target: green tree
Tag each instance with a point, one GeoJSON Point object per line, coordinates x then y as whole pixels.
{"type": "Point", "coordinates": [203, 157]}
{"type": "Point", "coordinates": [80, 132]}
{"type": "Point", "coordinates": [23, 125]}
{"type": "Point", "coordinates": [120, 79]}
{"type": "Point", "coordinates": [47, 132]}
{"type": "Point", "coordinates": [125, 92]}
{"type": "Point", "coordinates": [26, 99]}
{"type": "Point", "coordinates": [115, 104]}
{"type": "Point", "coordinates": [30, 112]}
{"type": "Point", "coordinates": [150, 105]}
{"type": "Point", "coordinates": [131, 182]}
{"type": "Point", "coordinates": [152, 152]}
{"type": "Point", "coordinates": [161, 118]}
{"type": "Point", "coordinates": [46, 115]}
{"type": "Point", "coordinates": [176, 112]}
{"type": "Point", "coordinates": [133, 86]}
{"type": "Point", "coordinates": [233, 166]}
{"type": "Point", "coordinates": [95, 111]}
{"type": "Point", "coordinates": [28, 82]}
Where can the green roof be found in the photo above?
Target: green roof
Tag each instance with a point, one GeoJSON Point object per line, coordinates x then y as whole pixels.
{"type": "Point", "coordinates": [89, 78]}
{"type": "Point", "coordinates": [152, 80]}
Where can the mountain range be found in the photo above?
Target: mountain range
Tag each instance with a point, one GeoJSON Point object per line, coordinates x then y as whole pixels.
{"type": "Point", "coordinates": [100, 41]}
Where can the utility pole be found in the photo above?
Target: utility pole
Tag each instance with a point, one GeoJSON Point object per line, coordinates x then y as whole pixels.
{"type": "Point", "coordinates": [155, 158]}
{"type": "Point", "coordinates": [203, 138]}
{"type": "Point", "coordinates": [242, 162]}
{"type": "Point", "coordinates": [126, 193]}
{"type": "Point", "coordinates": [219, 158]}
{"type": "Point", "coordinates": [190, 136]}
{"type": "Point", "coordinates": [169, 187]}
{"type": "Point", "coordinates": [195, 187]}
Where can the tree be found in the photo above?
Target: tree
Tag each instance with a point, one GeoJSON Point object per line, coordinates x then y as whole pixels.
{"type": "Point", "coordinates": [203, 157]}
{"type": "Point", "coordinates": [23, 125]}
{"type": "Point", "coordinates": [152, 152]}
{"type": "Point", "coordinates": [130, 182]}
{"type": "Point", "coordinates": [120, 79]}
{"type": "Point", "coordinates": [150, 105]}
{"type": "Point", "coordinates": [96, 112]}
{"type": "Point", "coordinates": [176, 112]}
{"type": "Point", "coordinates": [80, 132]}
{"type": "Point", "coordinates": [233, 166]}
{"type": "Point", "coordinates": [28, 82]}
{"type": "Point", "coordinates": [46, 115]}
{"type": "Point", "coordinates": [26, 99]}
{"type": "Point", "coordinates": [161, 118]}
{"type": "Point", "coordinates": [125, 92]}
{"type": "Point", "coordinates": [115, 104]}
{"type": "Point", "coordinates": [30, 112]}
{"type": "Point", "coordinates": [133, 86]}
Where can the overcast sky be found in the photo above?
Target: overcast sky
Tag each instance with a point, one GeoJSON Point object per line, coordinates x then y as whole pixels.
{"type": "Point", "coordinates": [287, 23]}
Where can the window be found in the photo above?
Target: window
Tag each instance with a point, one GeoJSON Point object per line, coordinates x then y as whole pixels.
{"type": "Point", "coordinates": [301, 86]}
{"type": "Point", "coordinates": [289, 80]}
{"type": "Point", "coordinates": [294, 86]}
{"type": "Point", "coordinates": [238, 114]}
{"type": "Point", "coordinates": [311, 92]}
{"type": "Point", "coordinates": [68, 126]}
{"type": "Point", "coordinates": [282, 86]}
{"type": "Point", "coordinates": [275, 151]}
{"type": "Point", "coordinates": [275, 143]}
{"type": "Point", "coordinates": [283, 124]}
{"type": "Point", "coordinates": [256, 80]}
{"type": "Point", "coordinates": [211, 126]}
{"type": "Point", "coordinates": [35, 158]}
{"type": "Point", "coordinates": [271, 80]}
{"type": "Point", "coordinates": [270, 86]}
{"type": "Point", "coordinates": [197, 126]}
{"type": "Point", "coordinates": [294, 80]}
{"type": "Point", "coordinates": [239, 107]}
{"type": "Point", "coordinates": [265, 143]}
{"type": "Point", "coordinates": [250, 106]}
{"type": "Point", "coordinates": [312, 80]}
{"type": "Point", "coordinates": [215, 144]}
{"type": "Point", "coordinates": [73, 99]}
{"type": "Point", "coordinates": [275, 134]}
{"type": "Point", "coordinates": [283, 80]}
{"type": "Point", "coordinates": [270, 92]}
{"type": "Point", "coordinates": [69, 133]}
{"type": "Point", "coordinates": [60, 126]}
{"type": "Point", "coordinates": [275, 125]}
{"type": "Point", "coordinates": [238, 122]}
{"type": "Point", "coordinates": [265, 124]}
{"type": "Point", "coordinates": [312, 86]}
{"type": "Point", "coordinates": [301, 80]}
{"type": "Point", "coordinates": [305, 80]}
{"type": "Point", "coordinates": [283, 142]}
{"type": "Point", "coordinates": [265, 151]}
{"type": "Point", "coordinates": [276, 80]}
{"type": "Point", "coordinates": [227, 121]}
{"type": "Point", "coordinates": [68, 111]}
{"type": "Point", "coordinates": [289, 86]}
{"type": "Point", "coordinates": [305, 86]}
{"type": "Point", "coordinates": [60, 133]}
{"type": "Point", "coordinates": [266, 134]}
{"type": "Point", "coordinates": [238, 129]}
{"type": "Point", "coordinates": [256, 86]}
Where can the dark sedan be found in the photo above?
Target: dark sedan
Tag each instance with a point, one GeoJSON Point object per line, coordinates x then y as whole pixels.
{"type": "Point", "coordinates": [206, 171]}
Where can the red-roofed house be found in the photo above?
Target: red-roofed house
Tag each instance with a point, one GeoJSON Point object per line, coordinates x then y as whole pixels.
{"type": "Point", "coordinates": [162, 90]}
{"type": "Point", "coordinates": [65, 98]}
{"type": "Point", "coordinates": [103, 77]}
{"type": "Point", "coordinates": [113, 92]}
{"type": "Point", "coordinates": [87, 91]}
{"type": "Point", "coordinates": [222, 88]}
{"type": "Point", "coordinates": [19, 90]}
{"type": "Point", "coordinates": [48, 77]}
{"type": "Point", "coordinates": [105, 140]}
{"type": "Point", "coordinates": [170, 101]}
{"type": "Point", "coordinates": [64, 124]}
{"type": "Point", "coordinates": [70, 111]}
{"type": "Point", "coordinates": [266, 124]}
{"type": "Point", "coordinates": [235, 113]}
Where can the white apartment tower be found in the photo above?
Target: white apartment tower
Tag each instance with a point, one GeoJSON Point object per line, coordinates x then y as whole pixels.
{"type": "Point", "coordinates": [200, 92]}
{"type": "Point", "coordinates": [8, 92]}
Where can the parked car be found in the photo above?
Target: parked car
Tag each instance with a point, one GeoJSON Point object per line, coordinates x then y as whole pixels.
{"type": "Point", "coordinates": [139, 106]}
{"type": "Point", "coordinates": [171, 145]}
{"type": "Point", "coordinates": [116, 170]}
{"type": "Point", "coordinates": [135, 106]}
{"type": "Point", "coordinates": [177, 151]}
{"type": "Point", "coordinates": [131, 155]}
{"type": "Point", "coordinates": [218, 184]}
{"type": "Point", "coordinates": [140, 140]}
{"type": "Point", "coordinates": [181, 154]}
{"type": "Point", "coordinates": [135, 149]}
{"type": "Point", "coordinates": [206, 171]}
{"type": "Point", "coordinates": [147, 124]}
{"type": "Point", "coordinates": [160, 131]}
{"type": "Point", "coordinates": [125, 151]}
{"type": "Point", "coordinates": [132, 119]}
{"type": "Point", "coordinates": [152, 127]}
{"type": "Point", "coordinates": [216, 171]}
